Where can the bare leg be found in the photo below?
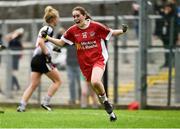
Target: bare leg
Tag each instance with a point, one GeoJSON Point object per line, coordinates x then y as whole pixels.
{"type": "Point", "coordinates": [84, 94]}
{"type": "Point", "coordinates": [35, 80]}
{"type": "Point", "coordinates": [98, 87]}
{"type": "Point", "coordinates": [96, 82]}
{"type": "Point", "coordinates": [94, 97]}
{"type": "Point", "coordinates": [54, 76]}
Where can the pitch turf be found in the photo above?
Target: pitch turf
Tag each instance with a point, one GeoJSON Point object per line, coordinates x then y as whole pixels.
{"type": "Point", "coordinates": [86, 118]}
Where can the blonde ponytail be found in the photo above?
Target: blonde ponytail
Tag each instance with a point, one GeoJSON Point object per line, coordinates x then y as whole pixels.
{"type": "Point", "coordinates": [50, 13]}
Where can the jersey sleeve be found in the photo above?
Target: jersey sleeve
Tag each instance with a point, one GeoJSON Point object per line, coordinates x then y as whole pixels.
{"type": "Point", "coordinates": [46, 28]}
{"type": "Point", "coordinates": [68, 37]}
{"type": "Point", "coordinates": [104, 32]}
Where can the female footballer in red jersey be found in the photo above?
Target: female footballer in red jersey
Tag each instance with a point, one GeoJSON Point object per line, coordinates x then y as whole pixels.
{"type": "Point", "coordinates": [88, 37]}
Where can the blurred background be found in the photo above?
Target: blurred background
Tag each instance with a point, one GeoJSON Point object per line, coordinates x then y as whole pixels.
{"type": "Point", "coordinates": [122, 79]}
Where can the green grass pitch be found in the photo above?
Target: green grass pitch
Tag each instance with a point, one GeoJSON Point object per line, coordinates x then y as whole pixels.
{"type": "Point", "coordinates": [88, 118]}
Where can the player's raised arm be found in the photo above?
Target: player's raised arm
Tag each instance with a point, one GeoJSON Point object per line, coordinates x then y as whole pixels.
{"type": "Point", "coordinates": [57, 42]}
{"type": "Point", "coordinates": [117, 32]}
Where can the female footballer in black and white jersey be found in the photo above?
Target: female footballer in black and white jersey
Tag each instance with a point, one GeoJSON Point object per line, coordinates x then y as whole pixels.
{"type": "Point", "coordinates": [41, 63]}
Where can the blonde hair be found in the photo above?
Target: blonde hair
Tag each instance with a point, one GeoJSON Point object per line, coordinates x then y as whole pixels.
{"type": "Point", "coordinates": [50, 13]}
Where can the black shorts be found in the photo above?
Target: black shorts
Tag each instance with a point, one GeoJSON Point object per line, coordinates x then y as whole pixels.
{"type": "Point", "coordinates": [38, 64]}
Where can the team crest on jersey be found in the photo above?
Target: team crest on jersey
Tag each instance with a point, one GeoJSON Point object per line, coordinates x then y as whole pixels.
{"type": "Point", "coordinates": [92, 34]}
{"type": "Point", "coordinates": [84, 35]}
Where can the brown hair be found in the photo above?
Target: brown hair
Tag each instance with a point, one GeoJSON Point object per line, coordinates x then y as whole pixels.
{"type": "Point", "coordinates": [82, 11]}
{"type": "Point", "coordinates": [49, 13]}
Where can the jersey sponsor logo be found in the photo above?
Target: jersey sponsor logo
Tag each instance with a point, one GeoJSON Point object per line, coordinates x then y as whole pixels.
{"type": "Point", "coordinates": [92, 34]}
{"type": "Point", "coordinates": [86, 45]}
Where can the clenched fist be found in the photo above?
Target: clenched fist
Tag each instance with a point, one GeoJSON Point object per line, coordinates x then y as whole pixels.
{"type": "Point", "coordinates": [124, 27]}
{"type": "Point", "coordinates": [48, 58]}
{"type": "Point", "coordinates": [44, 34]}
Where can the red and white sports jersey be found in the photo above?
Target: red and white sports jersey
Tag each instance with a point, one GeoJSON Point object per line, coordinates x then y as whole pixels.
{"type": "Point", "coordinates": [89, 43]}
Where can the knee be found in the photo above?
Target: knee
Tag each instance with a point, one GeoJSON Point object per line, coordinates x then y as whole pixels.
{"type": "Point", "coordinates": [83, 94]}
{"type": "Point", "coordinates": [95, 82]}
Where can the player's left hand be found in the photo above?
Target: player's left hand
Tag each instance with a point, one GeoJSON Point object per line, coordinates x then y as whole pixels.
{"type": "Point", "coordinates": [124, 27]}
{"type": "Point", "coordinates": [48, 58]}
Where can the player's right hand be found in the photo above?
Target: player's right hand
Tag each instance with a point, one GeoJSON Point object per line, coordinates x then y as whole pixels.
{"type": "Point", "coordinates": [48, 58]}
{"type": "Point", "coordinates": [44, 34]}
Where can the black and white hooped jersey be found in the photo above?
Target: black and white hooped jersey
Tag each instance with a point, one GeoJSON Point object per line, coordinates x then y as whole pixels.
{"type": "Point", "coordinates": [48, 44]}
